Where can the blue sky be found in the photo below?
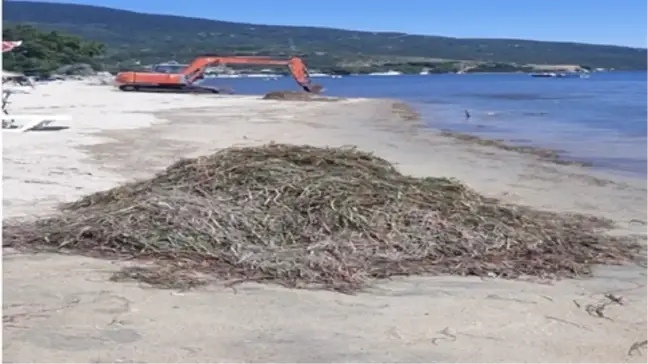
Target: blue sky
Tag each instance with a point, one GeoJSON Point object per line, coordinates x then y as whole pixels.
{"type": "Point", "coordinates": [621, 22]}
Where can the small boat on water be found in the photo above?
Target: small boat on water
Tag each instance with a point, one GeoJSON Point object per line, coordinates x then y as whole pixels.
{"type": "Point", "coordinates": [318, 74]}
{"type": "Point", "coordinates": [388, 73]}
{"type": "Point", "coordinates": [559, 75]}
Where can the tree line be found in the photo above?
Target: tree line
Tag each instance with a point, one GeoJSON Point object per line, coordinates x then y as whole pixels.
{"type": "Point", "coordinates": [43, 52]}
{"type": "Point", "coordinates": [150, 38]}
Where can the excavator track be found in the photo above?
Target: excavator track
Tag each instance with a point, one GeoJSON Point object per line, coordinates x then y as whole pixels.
{"type": "Point", "coordinates": [180, 89]}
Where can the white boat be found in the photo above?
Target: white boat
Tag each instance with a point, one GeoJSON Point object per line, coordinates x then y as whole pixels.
{"type": "Point", "coordinates": [388, 73]}
{"type": "Point", "coordinates": [559, 75]}
{"type": "Point", "coordinates": [262, 75]}
{"type": "Point", "coordinates": [223, 75]}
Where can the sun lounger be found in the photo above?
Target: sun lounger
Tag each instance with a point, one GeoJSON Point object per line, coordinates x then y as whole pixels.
{"type": "Point", "coordinates": [24, 123]}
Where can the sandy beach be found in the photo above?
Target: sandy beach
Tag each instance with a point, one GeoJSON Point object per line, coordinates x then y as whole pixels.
{"type": "Point", "coordinates": [63, 308]}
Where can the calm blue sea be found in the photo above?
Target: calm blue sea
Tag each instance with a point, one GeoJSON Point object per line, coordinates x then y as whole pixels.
{"type": "Point", "coordinates": [601, 119]}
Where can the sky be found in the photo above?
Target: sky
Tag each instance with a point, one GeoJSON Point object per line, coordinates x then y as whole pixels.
{"type": "Point", "coordinates": [621, 22]}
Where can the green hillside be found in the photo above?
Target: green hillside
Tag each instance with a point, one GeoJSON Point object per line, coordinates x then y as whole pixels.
{"type": "Point", "coordinates": [150, 38]}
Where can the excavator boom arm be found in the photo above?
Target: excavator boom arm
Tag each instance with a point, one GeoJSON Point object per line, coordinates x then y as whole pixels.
{"type": "Point", "coordinates": [296, 65]}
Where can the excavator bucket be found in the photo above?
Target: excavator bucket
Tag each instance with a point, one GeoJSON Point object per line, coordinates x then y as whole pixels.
{"type": "Point", "coordinates": [314, 88]}
{"type": "Point", "coordinates": [299, 72]}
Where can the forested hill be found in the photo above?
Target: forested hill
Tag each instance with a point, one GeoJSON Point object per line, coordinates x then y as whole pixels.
{"type": "Point", "coordinates": [130, 35]}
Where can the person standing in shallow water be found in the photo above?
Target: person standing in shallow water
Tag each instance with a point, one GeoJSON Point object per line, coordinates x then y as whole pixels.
{"type": "Point", "coordinates": [467, 113]}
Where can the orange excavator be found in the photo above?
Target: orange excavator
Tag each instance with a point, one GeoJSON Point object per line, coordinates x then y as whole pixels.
{"type": "Point", "coordinates": [185, 80]}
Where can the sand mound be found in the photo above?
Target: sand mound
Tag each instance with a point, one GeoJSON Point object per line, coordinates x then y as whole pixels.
{"type": "Point", "coordinates": [297, 96]}
{"type": "Point", "coordinates": [299, 215]}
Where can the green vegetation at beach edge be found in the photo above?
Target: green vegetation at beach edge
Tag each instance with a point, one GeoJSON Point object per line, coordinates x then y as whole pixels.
{"type": "Point", "coordinates": [118, 40]}
{"type": "Point", "coordinates": [45, 52]}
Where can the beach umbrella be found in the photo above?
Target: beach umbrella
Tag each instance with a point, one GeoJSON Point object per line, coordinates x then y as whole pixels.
{"type": "Point", "coordinates": [10, 45]}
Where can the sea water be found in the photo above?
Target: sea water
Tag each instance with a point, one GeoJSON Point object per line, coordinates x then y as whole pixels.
{"type": "Point", "coordinates": [601, 119]}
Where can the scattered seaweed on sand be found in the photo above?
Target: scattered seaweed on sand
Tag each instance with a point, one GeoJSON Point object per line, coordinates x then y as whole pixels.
{"type": "Point", "coordinates": [405, 112]}
{"type": "Point", "coordinates": [297, 96]}
{"type": "Point", "coordinates": [550, 155]}
{"type": "Point", "coordinates": [169, 277]}
{"type": "Point", "coordinates": [326, 217]}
